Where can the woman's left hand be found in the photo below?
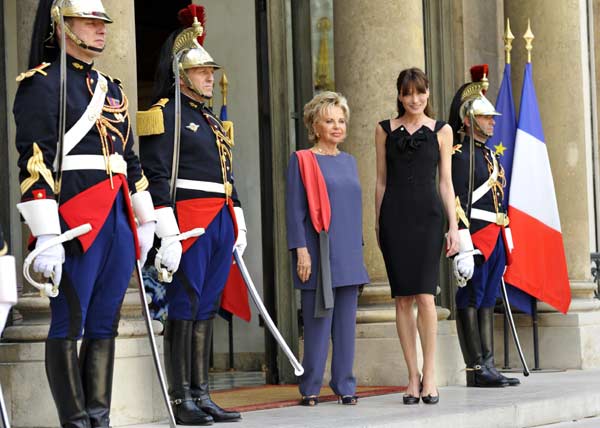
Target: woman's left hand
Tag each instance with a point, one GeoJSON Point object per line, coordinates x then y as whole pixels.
{"type": "Point", "coordinates": [452, 241]}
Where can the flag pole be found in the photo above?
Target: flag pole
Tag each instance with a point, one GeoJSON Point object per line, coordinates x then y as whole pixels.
{"type": "Point", "coordinates": [508, 39]}
{"type": "Point", "coordinates": [528, 36]}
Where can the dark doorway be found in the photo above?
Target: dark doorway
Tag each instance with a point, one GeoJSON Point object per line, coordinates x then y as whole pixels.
{"type": "Point", "coordinates": [154, 21]}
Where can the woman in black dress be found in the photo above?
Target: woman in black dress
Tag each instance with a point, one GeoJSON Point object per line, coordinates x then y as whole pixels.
{"type": "Point", "coordinates": [411, 149]}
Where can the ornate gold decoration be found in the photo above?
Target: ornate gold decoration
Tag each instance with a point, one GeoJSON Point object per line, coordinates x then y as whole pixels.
{"type": "Point", "coordinates": [188, 39]}
{"type": "Point", "coordinates": [508, 39]}
{"type": "Point", "coordinates": [141, 184]}
{"type": "Point", "coordinates": [528, 36]}
{"type": "Point", "coordinates": [323, 79]}
{"type": "Point", "coordinates": [460, 213]}
{"type": "Point", "coordinates": [224, 84]}
{"type": "Point", "coordinates": [37, 167]}
{"type": "Point", "coordinates": [29, 73]}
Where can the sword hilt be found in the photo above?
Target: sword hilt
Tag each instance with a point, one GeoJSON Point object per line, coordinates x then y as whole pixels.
{"type": "Point", "coordinates": [164, 275]}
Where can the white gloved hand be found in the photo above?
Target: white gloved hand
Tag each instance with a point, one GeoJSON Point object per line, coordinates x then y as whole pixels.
{"type": "Point", "coordinates": [49, 262]}
{"type": "Point", "coordinates": [170, 249]}
{"type": "Point", "coordinates": [466, 267]}
{"type": "Point", "coordinates": [240, 242]}
{"type": "Point", "coordinates": [145, 233]}
{"type": "Point", "coordinates": [464, 263]}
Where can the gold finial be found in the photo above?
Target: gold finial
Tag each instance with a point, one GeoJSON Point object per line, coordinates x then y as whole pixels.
{"type": "Point", "coordinates": [224, 83]}
{"type": "Point", "coordinates": [508, 39]}
{"type": "Point", "coordinates": [323, 78]}
{"type": "Point", "coordinates": [528, 36]}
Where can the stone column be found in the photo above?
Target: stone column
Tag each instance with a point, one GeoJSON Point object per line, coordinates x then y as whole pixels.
{"type": "Point", "coordinates": [372, 45]}
{"type": "Point", "coordinates": [561, 71]}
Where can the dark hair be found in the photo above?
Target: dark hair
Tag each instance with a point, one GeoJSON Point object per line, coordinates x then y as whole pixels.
{"type": "Point", "coordinates": [42, 49]}
{"type": "Point", "coordinates": [409, 80]}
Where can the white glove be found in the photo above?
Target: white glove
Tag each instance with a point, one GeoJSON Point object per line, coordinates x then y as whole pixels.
{"type": "Point", "coordinates": [240, 243]}
{"type": "Point", "coordinates": [145, 233]}
{"type": "Point", "coordinates": [49, 262]}
{"type": "Point", "coordinates": [466, 267]}
{"type": "Point", "coordinates": [170, 248]}
{"type": "Point", "coordinates": [464, 262]}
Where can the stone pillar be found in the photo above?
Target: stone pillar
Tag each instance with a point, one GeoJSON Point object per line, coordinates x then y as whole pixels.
{"type": "Point", "coordinates": [561, 38]}
{"type": "Point", "coordinates": [366, 68]}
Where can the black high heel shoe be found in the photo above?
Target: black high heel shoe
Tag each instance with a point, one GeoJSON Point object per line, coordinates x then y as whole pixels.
{"type": "Point", "coordinates": [431, 399]}
{"type": "Point", "coordinates": [348, 399]}
{"type": "Point", "coordinates": [411, 399]}
{"type": "Point", "coordinates": [309, 400]}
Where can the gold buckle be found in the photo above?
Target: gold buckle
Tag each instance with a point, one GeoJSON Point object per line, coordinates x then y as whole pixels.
{"type": "Point", "coordinates": [502, 219]}
{"type": "Point", "coordinates": [228, 189]}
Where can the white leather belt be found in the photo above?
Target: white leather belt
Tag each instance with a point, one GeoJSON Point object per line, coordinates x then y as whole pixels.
{"type": "Point", "coordinates": [500, 219]}
{"type": "Point", "coordinates": [98, 162]}
{"type": "Point", "coordinates": [89, 117]}
{"type": "Point", "coordinates": [485, 187]}
{"type": "Point", "coordinates": [205, 186]}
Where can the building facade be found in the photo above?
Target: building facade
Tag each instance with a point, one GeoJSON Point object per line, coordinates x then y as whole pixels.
{"type": "Point", "coordinates": [276, 54]}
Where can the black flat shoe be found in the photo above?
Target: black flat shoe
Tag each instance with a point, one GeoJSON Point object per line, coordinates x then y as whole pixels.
{"type": "Point", "coordinates": [348, 399]}
{"type": "Point", "coordinates": [431, 399]}
{"type": "Point", "coordinates": [309, 400]}
{"type": "Point", "coordinates": [410, 399]}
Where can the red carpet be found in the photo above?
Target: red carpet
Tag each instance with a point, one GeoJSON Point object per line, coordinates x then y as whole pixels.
{"type": "Point", "coordinates": [276, 396]}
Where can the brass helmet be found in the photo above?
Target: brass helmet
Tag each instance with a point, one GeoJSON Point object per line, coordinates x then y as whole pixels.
{"type": "Point", "coordinates": [88, 9]}
{"type": "Point", "coordinates": [187, 48]}
{"type": "Point", "coordinates": [474, 102]}
{"type": "Point", "coordinates": [93, 9]}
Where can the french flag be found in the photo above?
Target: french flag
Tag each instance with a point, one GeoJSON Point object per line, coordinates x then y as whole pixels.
{"type": "Point", "coordinates": [539, 265]}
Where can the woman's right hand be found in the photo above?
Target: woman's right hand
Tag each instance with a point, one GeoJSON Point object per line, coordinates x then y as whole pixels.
{"type": "Point", "coordinates": [303, 268]}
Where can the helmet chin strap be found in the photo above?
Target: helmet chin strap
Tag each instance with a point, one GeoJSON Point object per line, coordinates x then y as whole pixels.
{"type": "Point", "coordinates": [80, 42]}
{"type": "Point", "coordinates": [479, 128]}
{"type": "Point", "coordinates": [190, 85]}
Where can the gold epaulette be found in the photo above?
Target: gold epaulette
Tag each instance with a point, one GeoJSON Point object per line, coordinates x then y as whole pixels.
{"type": "Point", "coordinates": [34, 70]}
{"type": "Point", "coordinates": [228, 128]}
{"type": "Point", "coordinates": [151, 122]}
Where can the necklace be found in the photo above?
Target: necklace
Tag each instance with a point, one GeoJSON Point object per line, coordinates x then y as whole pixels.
{"type": "Point", "coordinates": [319, 150]}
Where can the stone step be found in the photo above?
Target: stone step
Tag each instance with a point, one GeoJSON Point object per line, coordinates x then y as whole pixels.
{"type": "Point", "coordinates": [542, 399]}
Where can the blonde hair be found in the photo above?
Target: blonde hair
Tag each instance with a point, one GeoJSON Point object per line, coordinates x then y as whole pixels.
{"type": "Point", "coordinates": [314, 109]}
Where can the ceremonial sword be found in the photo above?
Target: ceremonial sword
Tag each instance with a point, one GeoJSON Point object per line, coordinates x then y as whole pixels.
{"type": "Point", "coordinates": [298, 369]}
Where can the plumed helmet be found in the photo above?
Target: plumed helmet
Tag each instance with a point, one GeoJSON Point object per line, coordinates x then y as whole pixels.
{"type": "Point", "coordinates": [470, 98]}
{"type": "Point", "coordinates": [92, 9]}
{"type": "Point", "coordinates": [188, 44]}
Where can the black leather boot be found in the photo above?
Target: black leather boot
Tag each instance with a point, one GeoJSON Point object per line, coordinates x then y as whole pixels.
{"type": "Point", "coordinates": [467, 327]}
{"type": "Point", "coordinates": [178, 355]}
{"type": "Point", "coordinates": [96, 361]}
{"type": "Point", "coordinates": [486, 332]}
{"type": "Point", "coordinates": [62, 370]}
{"type": "Point", "coordinates": [201, 342]}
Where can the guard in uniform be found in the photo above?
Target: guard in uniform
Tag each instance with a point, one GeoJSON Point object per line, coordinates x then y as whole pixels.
{"type": "Point", "coordinates": [203, 195]}
{"type": "Point", "coordinates": [483, 229]}
{"type": "Point", "coordinates": [77, 166]}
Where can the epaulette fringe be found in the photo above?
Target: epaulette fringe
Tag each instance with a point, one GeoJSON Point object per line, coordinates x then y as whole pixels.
{"type": "Point", "coordinates": [151, 122]}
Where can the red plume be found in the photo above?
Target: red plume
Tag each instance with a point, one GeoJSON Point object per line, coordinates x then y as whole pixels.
{"type": "Point", "coordinates": [186, 17]}
{"type": "Point", "coordinates": [478, 71]}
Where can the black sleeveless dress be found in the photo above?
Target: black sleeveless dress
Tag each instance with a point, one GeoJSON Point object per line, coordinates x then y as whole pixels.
{"type": "Point", "coordinates": [411, 216]}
